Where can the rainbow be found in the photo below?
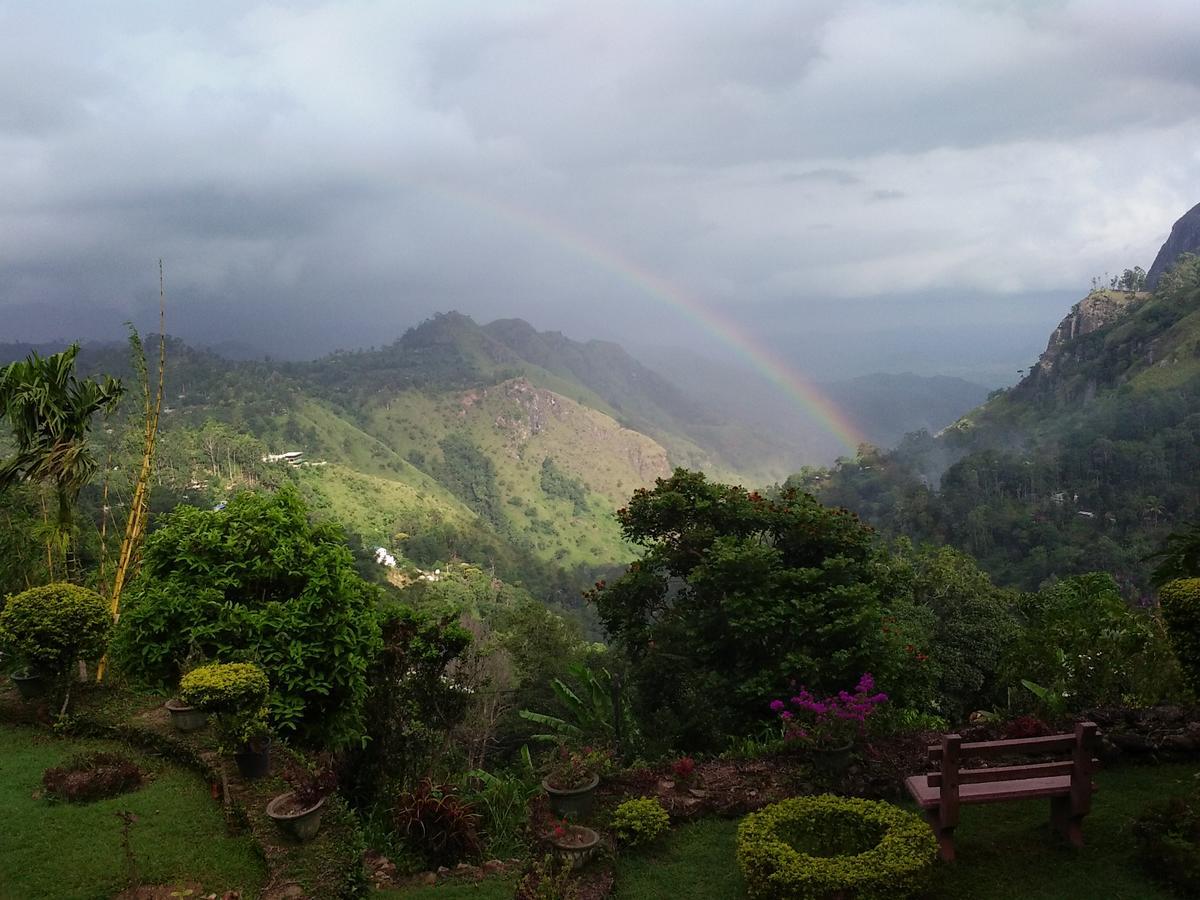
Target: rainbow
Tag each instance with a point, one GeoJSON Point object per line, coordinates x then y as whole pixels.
{"type": "Point", "coordinates": [749, 348]}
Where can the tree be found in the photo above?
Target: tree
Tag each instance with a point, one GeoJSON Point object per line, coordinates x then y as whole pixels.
{"type": "Point", "coordinates": [51, 410]}
{"type": "Point", "coordinates": [735, 598]}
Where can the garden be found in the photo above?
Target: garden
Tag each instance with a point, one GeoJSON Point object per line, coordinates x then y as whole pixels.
{"type": "Point", "coordinates": [234, 710]}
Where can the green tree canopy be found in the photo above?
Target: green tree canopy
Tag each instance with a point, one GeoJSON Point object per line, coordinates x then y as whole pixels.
{"type": "Point", "coordinates": [737, 596]}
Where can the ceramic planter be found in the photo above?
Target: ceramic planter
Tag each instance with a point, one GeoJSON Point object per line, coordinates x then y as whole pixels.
{"type": "Point", "coordinates": [304, 824]}
{"type": "Point", "coordinates": [186, 718]}
{"type": "Point", "coordinates": [254, 759]}
{"type": "Point", "coordinates": [572, 803]}
{"type": "Point", "coordinates": [576, 847]}
{"type": "Point", "coordinates": [832, 761]}
{"type": "Point", "coordinates": [30, 685]}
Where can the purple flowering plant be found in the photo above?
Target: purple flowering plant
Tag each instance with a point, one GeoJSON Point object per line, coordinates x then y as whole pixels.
{"type": "Point", "coordinates": [829, 722]}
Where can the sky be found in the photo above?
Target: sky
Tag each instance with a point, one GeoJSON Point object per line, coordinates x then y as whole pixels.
{"type": "Point", "coordinates": [918, 185]}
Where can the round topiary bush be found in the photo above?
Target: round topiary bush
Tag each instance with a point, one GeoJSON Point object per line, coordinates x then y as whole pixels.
{"type": "Point", "coordinates": [1180, 602]}
{"type": "Point", "coordinates": [50, 627]}
{"type": "Point", "coordinates": [236, 693]}
{"type": "Point", "coordinates": [641, 821]}
{"type": "Point", "coordinates": [222, 688]}
{"type": "Point", "coordinates": [813, 848]}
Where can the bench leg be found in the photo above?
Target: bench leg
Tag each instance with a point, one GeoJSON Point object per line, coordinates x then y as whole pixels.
{"type": "Point", "coordinates": [1069, 826]}
{"type": "Point", "coordinates": [945, 836]}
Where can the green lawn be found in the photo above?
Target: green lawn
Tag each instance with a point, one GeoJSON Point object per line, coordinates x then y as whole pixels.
{"type": "Point", "coordinates": [58, 850]}
{"type": "Point", "coordinates": [1004, 851]}
{"type": "Point", "coordinates": [487, 889]}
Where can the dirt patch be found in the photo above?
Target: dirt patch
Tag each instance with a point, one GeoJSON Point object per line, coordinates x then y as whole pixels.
{"type": "Point", "coordinates": [92, 776]}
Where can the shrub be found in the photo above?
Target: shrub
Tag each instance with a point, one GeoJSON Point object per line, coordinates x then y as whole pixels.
{"type": "Point", "coordinates": [641, 821]}
{"type": "Point", "coordinates": [548, 879]}
{"type": "Point", "coordinates": [258, 581]}
{"type": "Point", "coordinates": [234, 693]}
{"type": "Point", "coordinates": [439, 824]}
{"type": "Point", "coordinates": [818, 847]}
{"type": "Point", "coordinates": [310, 782]}
{"type": "Point", "coordinates": [1180, 601]}
{"type": "Point", "coordinates": [503, 804]}
{"type": "Point", "coordinates": [92, 776]}
{"type": "Point", "coordinates": [50, 627]}
{"type": "Point", "coordinates": [1167, 837]}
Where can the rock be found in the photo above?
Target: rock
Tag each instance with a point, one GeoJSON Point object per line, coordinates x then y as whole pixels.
{"type": "Point", "coordinates": [1184, 238]}
{"type": "Point", "coordinates": [429, 878]}
{"type": "Point", "coordinates": [1093, 312]}
{"type": "Point", "coordinates": [442, 870]}
{"type": "Point", "coordinates": [1132, 743]}
{"type": "Point", "coordinates": [492, 866]}
{"type": "Point", "coordinates": [697, 793]}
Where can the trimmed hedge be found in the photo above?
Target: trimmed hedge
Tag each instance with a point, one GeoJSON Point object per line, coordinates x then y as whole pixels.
{"type": "Point", "coordinates": [812, 848]}
{"type": "Point", "coordinates": [1180, 602]}
{"type": "Point", "coordinates": [640, 821]}
{"type": "Point", "coordinates": [50, 627]}
{"type": "Point", "coordinates": [223, 688]}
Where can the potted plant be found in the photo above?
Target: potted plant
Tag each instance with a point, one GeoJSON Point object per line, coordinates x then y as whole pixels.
{"type": "Point", "coordinates": [298, 811]}
{"type": "Point", "coordinates": [184, 717]}
{"type": "Point", "coordinates": [49, 629]}
{"type": "Point", "coordinates": [828, 727]}
{"type": "Point", "coordinates": [235, 694]}
{"type": "Point", "coordinates": [571, 780]}
{"type": "Point", "coordinates": [573, 845]}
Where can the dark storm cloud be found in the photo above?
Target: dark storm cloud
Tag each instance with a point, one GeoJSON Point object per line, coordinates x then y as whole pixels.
{"type": "Point", "coordinates": [325, 174]}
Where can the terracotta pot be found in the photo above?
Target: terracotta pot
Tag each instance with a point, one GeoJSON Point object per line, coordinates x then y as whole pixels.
{"type": "Point", "coordinates": [184, 717]}
{"type": "Point", "coordinates": [254, 759]}
{"type": "Point", "coordinates": [304, 824]}
{"type": "Point", "coordinates": [573, 803]}
{"type": "Point", "coordinates": [577, 848]}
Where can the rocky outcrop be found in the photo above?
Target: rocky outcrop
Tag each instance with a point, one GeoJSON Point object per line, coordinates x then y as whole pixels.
{"type": "Point", "coordinates": [1097, 309]}
{"type": "Point", "coordinates": [1184, 238]}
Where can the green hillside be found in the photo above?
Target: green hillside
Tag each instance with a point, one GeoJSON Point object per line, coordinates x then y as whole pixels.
{"type": "Point", "coordinates": [1088, 463]}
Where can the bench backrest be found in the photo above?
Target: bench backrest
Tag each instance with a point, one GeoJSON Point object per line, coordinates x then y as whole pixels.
{"type": "Point", "coordinates": [1079, 764]}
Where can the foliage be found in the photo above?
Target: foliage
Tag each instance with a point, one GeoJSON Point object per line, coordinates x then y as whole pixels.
{"type": "Point", "coordinates": [831, 722]}
{"type": "Point", "coordinates": [816, 847]}
{"type": "Point", "coordinates": [548, 879]}
{"type": "Point", "coordinates": [1179, 556]}
{"type": "Point", "coordinates": [50, 410]}
{"type": "Point", "coordinates": [683, 768]}
{"type": "Point", "coordinates": [558, 484]}
{"type": "Point", "coordinates": [1167, 837]}
{"type": "Point", "coordinates": [734, 596]}
{"type": "Point", "coordinates": [1083, 642]}
{"type": "Point", "coordinates": [1180, 602]}
{"type": "Point", "coordinates": [949, 627]}
{"type": "Point", "coordinates": [502, 802]}
{"type": "Point", "coordinates": [92, 776]}
{"type": "Point", "coordinates": [570, 769]}
{"type": "Point", "coordinates": [258, 581]}
{"type": "Point", "coordinates": [414, 703]}
{"type": "Point", "coordinates": [311, 782]}
{"type": "Point", "coordinates": [598, 712]}
{"type": "Point", "coordinates": [50, 627]}
{"type": "Point", "coordinates": [234, 693]}
{"type": "Point", "coordinates": [437, 823]}
{"type": "Point", "coordinates": [641, 821]}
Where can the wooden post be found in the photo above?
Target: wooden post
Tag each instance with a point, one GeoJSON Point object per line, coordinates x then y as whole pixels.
{"type": "Point", "coordinates": [1079, 804]}
{"type": "Point", "coordinates": [947, 817]}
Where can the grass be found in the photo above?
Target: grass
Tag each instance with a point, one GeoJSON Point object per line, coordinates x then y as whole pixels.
{"type": "Point", "coordinates": [487, 889]}
{"type": "Point", "coordinates": [57, 850]}
{"type": "Point", "coordinates": [1004, 850]}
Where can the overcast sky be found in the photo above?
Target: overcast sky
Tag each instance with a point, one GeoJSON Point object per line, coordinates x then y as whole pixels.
{"type": "Point", "coordinates": [834, 175]}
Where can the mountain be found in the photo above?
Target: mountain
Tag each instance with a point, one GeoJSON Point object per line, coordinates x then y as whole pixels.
{"type": "Point", "coordinates": [1086, 464]}
{"type": "Point", "coordinates": [1184, 238]}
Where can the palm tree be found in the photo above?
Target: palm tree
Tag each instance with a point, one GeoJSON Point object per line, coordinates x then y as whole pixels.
{"type": "Point", "coordinates": [51, 410]}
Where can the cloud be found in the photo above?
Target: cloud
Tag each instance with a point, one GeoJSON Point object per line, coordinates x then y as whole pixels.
{"type": "Point", "coordinates": [351, 167]}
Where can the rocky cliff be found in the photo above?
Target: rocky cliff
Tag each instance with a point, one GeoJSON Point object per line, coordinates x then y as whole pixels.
{"type": "Point", "coordinates": [1184, 238]}
{"type": "Point", "coordinates": [1097, 309]}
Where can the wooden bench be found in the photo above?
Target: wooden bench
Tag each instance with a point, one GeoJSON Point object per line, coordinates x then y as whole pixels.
{"type": "Point", "coordinates": [1068, 783]}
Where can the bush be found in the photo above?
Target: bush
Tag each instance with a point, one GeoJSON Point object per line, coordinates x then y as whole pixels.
{"type": "Point", "coordinates": [1180, 601]}
{"type": "Point", "coordinates": [1167, 837]}
{"type": "Point", "coordinates": [439, 824]}
{"type": "Point", "coordinates": [92, 776]}
{"type": "Point", "coordinates": [234, 693]}
{"type": "Point", "coordinates": [50, 627]}
{"type": "Point", "coordinates": [818, 847]}
{"type": "Point", "coordinates": [641, 821]}
{"type": "Point", "coordinates": [258, 581]}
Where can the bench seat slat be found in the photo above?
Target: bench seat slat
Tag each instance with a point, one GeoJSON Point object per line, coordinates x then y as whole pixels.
{"type": "Point", "coordinates": [989, 792]}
